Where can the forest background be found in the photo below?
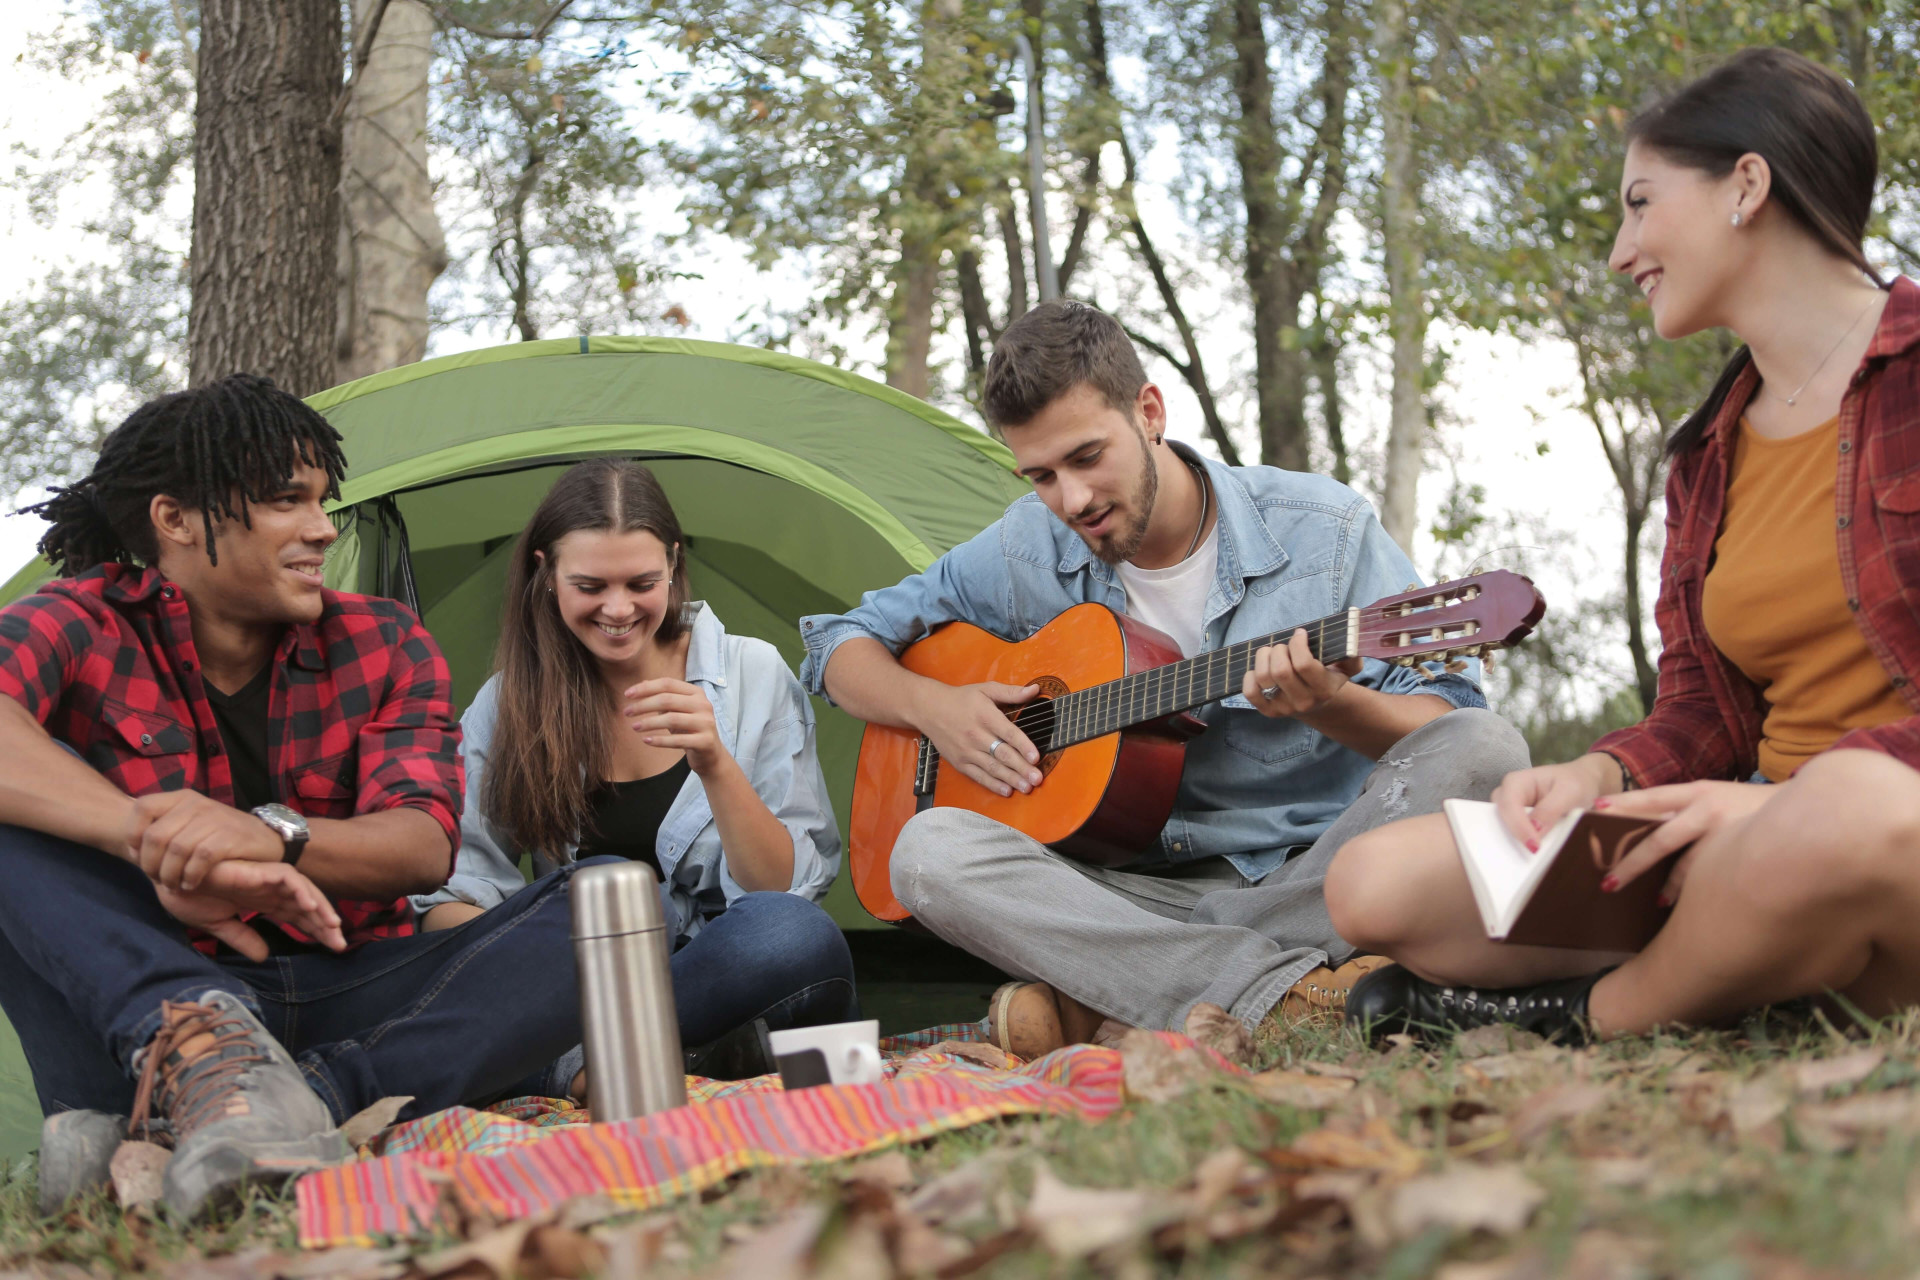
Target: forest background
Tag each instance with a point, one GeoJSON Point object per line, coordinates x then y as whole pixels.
{"type": "Point", "coordinates": [1365, 237]}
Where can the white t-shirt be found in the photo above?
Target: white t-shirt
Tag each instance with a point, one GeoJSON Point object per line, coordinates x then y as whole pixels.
{"type": "Point", "coordinates": [1174, 599]}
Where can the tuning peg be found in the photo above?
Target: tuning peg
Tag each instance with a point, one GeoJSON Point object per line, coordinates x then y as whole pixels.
{"type": "Point", "coordinates": [1456, 665]}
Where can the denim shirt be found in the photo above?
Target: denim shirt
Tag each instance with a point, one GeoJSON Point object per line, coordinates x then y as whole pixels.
{"type": "Point", "coordinates": [1293, 547]}
{"type": "Point", "coordinates": [765, 723]}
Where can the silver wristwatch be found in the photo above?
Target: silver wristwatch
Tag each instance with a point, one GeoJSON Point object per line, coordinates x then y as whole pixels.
{"type": "Point", "coordinates": [291, 827]}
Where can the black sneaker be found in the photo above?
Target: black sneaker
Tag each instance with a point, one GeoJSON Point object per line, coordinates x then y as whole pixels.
{"type": "Point", "coordinates": [76, 1155]}
{"type": "Point", "coordinates": [741, 1054]}
{"type": "Point", "coordinates": [240, 1111]}
{"type": "Point", "coordinates": [1392, 1000]}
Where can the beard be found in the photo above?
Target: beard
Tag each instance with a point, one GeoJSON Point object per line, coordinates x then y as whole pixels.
{"type": "Point", "coordinates": [1123, 543]}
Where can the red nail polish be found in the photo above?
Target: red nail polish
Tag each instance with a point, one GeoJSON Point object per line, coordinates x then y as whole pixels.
{"type": "Point", "coordinates": [1610, 885]}
{"type": "Point", "coordinates": [1664, 900]}
{"type": "Point", "coordinates": [1602, 802]}
{"type": "Point", "coordinates": [1533, 846]}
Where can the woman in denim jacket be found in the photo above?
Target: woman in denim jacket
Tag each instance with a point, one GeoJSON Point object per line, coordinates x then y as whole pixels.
{"type": "Point", "coordinates": [624, 721]}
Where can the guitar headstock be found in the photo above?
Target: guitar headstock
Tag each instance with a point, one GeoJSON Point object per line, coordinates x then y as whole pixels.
{"type": "Point", "coordinates": [1465, 618]}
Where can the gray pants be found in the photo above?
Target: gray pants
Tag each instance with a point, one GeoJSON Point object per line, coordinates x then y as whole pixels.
{"type": "Point", "coordinates": [1146, 947]}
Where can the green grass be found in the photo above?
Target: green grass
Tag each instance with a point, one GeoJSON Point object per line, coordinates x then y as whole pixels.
{"type": "Point", "coordinates": [1657, 1178]}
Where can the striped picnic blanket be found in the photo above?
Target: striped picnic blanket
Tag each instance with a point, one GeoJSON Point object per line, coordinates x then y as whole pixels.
{"type": "Point", "coordinates": [531, 1154]}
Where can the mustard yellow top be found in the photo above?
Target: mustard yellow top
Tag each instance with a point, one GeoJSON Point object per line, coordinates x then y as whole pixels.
{"type": "Point", "coordinates": [1775, 606]}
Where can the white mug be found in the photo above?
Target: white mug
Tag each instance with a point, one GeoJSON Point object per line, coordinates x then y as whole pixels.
{"type": "Point", "coordinates": [838, 1053]}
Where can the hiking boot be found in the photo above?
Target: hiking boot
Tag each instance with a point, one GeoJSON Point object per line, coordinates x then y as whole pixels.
{"type": "Point", "coordinates": [1031, 1019]}
{"type": "Point", "coordinates": [1325, 990]}
{"type": "Point", "coordinates": [76, 1155]}
{"type": "Point", "coordinates": [1391, 1000]}
{"type": "Point", "coordinates": [240, 1110]}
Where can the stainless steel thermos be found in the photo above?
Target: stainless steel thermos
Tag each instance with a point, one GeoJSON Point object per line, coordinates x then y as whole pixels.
{"type": "Point", "coordinates": [626, 993]}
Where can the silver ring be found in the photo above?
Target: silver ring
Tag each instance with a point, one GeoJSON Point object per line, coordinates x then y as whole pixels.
{"type": "Point", "coordinates": [1270, 692]}
{"type": "Point", "coordinates": [997, 744]}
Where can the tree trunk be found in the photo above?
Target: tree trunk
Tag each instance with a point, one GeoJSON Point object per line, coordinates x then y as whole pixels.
{"type": "Point", "coordinates": [1646, 677]}
{"type": "Point", "coordinates": [391, 245]}
{"type": "Point", "coordinates": [1326, 372]}
{"type": "Point", "coordinates": [266, 192]}
{"type": "Point", "coordinates": [1406, 300]}
{"type": "Point", "coordinates": [920, 213]}
{"type": "Point", "coordinates": [1256, 148]}
{"type": "Point", "coordinates": [910, 335]}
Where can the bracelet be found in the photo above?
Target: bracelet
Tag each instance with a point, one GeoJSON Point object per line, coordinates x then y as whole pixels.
{"type": "Point", "coordinates": [1626, 774]}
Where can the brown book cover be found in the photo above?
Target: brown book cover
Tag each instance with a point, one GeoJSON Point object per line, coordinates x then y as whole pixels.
{"type": "Point", "coordinates": [1552, 898]}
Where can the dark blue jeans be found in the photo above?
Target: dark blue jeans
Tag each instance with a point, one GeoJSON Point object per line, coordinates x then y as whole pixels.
{"type": "Point", "coordinates": [459, 1016]}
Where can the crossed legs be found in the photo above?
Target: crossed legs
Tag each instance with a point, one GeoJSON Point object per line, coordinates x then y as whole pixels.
{"type": "Point", "coordinates": [1817, 891]}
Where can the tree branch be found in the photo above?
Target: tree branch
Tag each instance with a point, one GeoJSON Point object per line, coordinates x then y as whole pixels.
{"type": "Point", "coordinates": [539, 32]}
{"type": "Point", "coordinates": [362, 50]}
{"type": "Point", "coordinates": [186, 40]}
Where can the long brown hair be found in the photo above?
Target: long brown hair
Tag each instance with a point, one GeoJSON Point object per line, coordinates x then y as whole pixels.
{"type": "Point", "coordinates": [550, 744]}
{"type": "Point", "coordinates": [1817, 139]}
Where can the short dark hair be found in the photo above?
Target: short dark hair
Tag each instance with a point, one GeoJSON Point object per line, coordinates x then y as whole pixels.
{"type": "Point", "coordinates": [1053, 349]}
{"type": "Point", "coordinates": [1816, 137]}
{"type": "Point", "coordinates": [214, 448]}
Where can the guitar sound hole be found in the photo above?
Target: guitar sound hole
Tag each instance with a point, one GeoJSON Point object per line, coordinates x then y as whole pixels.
{"type": "Point", "coordinates": [1036, 720]}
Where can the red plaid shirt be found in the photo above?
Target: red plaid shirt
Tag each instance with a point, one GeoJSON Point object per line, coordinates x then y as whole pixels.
{"type": "Point", "coordinates": [1706, 719]}
{"type": "Point", "coordinates": [360, 716]}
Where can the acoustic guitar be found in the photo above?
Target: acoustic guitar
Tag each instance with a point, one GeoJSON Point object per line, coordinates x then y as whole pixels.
{"type": "Point", "coordinates": [1110, 720]}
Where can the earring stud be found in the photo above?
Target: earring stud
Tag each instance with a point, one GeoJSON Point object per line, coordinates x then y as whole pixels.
{"type": "Point", "coordinates": [1736, 217]}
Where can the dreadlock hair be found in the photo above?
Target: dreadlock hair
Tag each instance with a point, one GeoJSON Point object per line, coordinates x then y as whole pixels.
{"type": "Point", "coordinates": [213, 448]}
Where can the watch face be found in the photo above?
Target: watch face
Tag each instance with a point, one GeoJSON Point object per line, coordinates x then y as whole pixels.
{"type": "Point", "coordinates": [287, 821]}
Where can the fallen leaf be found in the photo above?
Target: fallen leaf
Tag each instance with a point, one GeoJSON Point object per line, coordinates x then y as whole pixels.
{"type": "Point", "coordinates": [138, 1169]}
{"type": "Point", "coordinates": [1075, 1221]}
{"type": "Point", "coordinates": [890, 1169]}
{"type": "Point", "coordinates": [781, 1251]}
{"type": "Point", "coordinates": [1334, 1070]}
{"type": "Point", "coordinates": [1364, 1203]}
{"type": "Point", "coordinates": [1550, 1108]}
{"type": "Point", "coordinates": [1838, 1126]}
{"type": "Point", "coordinates": [633, 1249]}
{"type": "Point", "coordinates": [1814, 1078]}
{"type": "Point", "coordinates": [960, 1194]}
{"type": "Point", "coordinates": [1298, 1089]}
{"type": "Point", "coordinates": [1465, 1197]}
{"type": "Point", "coordinates": [1375, 1148]}
{"type": "Point", "coordinates": [987, 1055]}
{"type": "Point", "coordinates": [1607, 1255]}
{"type": "Point", "coordinates": [1508, 1066]}
{"type": "Point", "coordinates": [564, 1252]}
{"type": "Point", "coordinates": [582, 1212]}
{"type": "Point", "coordinates": [1520, 1266]}
{"type": "Point", "coordinates": [1216, 1029]}
{"type": "Point", "coordinates": [1494, 1038]}
{"type": "Point", "coordinates": [1755, 1105]}
{"type": "Point", "coordinates": [495, 1253]}
{"type": "Point", "coordinates": [1618, 1171]}
{"type": "Point", "coordinates": [370, 1122]}
{"type": "Point", "coordinates": [1157, 1071]}
{"type": "Point", "coordinates": [347, 1264]}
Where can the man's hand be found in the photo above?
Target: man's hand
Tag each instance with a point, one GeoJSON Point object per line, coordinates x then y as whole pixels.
{"type": "Point", "coordinates": [274, 890]}
{"type": "Point", "coordinates": [966, 721]}
{"type": "Point", "coordinates": [1691, 811]}
{"type": "Point", "coordinates": [177, 837]}
{"type": "Point", "coordinates": [1301, 684]}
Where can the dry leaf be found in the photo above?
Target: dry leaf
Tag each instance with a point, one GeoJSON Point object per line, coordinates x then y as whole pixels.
{"type": "Point", "coordinates": [1520, 1266]}
{"type": "Point", "coordinates": [1157, 1071]}
{"type": "Point", "coordinates": [1376, 1148]}
{"type": "Point", "coordinates": [347, 1264]}
{"type": "Point", "coordinates": [1298, 1089]}
{"type": "Point", "coordinates": [561, 1251]}
{"type": "Point", "coordinates": [369, 1123]}
{"type": "Point", "coordinates": [987, 1055]}
{"type": "Point", "coordinates": [781, 1251]}
{"type": "Point", "coordinates": [1494, 1038]}
{"type": "Point", "coordinates": [890, 1169]}
{"type": "Point", "coordinates": [1509, 1066]}
{"type": "Point", "coordinates": [1606, 1255]}
{"type": "Point", "coordinates": [1550, 1108]}
{"type": "Point", "coordinates": [1220, 1031]}
{"type": "Point", "coordinates": [1815, 1078]}
{"type": "Point", "coordinates": [1364, 1203]}
{"type": "Point", "coordinates": [1335, 1070]}
{"type": "Point", "coordinates": [496, 1253]}
{"type": "Point", "coordinates": [1497, 1198]}
{"type": "Point", "coordinates": [633, 1249]}
{"type": "Point", "coordinates": [960, 1194]}
{"type": "Point", "coordinates": [1755, 1105]}
{"type": "Point", "coordinates": [1837, 1126]}
{"type": "Point", "coordinates": [1618, 1171]}
{"type": "Point", "coordinates": [1075, 1221]}
{"type": "Point", "coordinates": [138, 1170]}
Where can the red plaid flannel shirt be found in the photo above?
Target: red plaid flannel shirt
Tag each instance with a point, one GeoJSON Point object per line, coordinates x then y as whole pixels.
{"type": "Point", "coordinates": [360, 716]}
{"type": "Point", "coordinates": [1706, 719]}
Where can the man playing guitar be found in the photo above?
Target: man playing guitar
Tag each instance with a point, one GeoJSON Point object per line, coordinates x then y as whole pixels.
{"type": "Point", "coordinates": [1225, 906]}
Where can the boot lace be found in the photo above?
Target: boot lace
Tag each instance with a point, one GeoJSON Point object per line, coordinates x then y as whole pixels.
{"type": "Point", "coordinates": [194, 1092]}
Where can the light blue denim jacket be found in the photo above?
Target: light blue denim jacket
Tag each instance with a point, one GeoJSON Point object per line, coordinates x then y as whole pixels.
{"type": "Point", "coordinates": [765, 723]}
{"type": "Point", "coordinates": [1293, 547]}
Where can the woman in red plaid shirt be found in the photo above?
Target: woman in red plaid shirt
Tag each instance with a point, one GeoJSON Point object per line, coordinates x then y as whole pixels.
{"type": "Point", "coordinates": [1791, 639]}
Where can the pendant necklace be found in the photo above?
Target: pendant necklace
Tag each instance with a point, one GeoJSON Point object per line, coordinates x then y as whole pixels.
{"type": "Point", "coordinates": [1795, 397]}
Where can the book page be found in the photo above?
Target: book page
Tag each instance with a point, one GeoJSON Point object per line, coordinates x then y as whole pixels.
{"type": "Point", "coordinates": [1500, 867]}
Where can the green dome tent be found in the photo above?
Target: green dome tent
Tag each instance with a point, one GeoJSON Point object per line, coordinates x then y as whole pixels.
{"type": "Point", "coordinates": [798, 486]}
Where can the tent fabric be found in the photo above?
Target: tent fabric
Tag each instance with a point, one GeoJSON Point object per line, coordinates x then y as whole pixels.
{"type": "Point", "coordinates": [798, 487]}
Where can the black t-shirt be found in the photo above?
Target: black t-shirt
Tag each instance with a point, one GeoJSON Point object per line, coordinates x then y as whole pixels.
{"type": "Point", "coordinates": [627, 815]}
{"type": "Point", "coordinates": [242, 721]}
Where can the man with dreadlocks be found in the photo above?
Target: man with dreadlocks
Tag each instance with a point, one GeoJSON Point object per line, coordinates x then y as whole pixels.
{"type": "Point", "coordinates": [222, 781]}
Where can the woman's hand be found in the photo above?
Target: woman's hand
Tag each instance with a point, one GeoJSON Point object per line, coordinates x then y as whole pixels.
{"type": "Point", "coordinates": [1300, 682]}
{"type": "Point", "coordinates": [673, 713]}
{"type": "Point", "coordinates": [1690, 811]}
{"type": "Point", "coordinates": [1530, 801]}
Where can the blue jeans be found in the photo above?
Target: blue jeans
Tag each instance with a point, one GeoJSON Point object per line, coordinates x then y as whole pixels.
{"type": "Point", "coordinates": [459, 1016]}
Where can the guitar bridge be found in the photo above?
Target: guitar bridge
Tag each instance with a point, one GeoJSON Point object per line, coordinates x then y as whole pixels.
{"type": "Point", "coordinates": [926, 768]}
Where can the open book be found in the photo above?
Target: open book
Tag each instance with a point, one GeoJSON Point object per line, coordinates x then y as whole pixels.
{"type": "Point", "coordinates": [1552, 898]}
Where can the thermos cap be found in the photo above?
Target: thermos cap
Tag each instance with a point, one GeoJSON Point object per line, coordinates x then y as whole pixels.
{"type": "Point", "coordinates": [615, 899]}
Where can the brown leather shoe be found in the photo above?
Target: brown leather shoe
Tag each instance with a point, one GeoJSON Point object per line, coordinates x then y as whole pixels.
{"type": "Point", "coordinates": [1324, 990]}
{"type": "Point", "coordinates": [1030, 1019]}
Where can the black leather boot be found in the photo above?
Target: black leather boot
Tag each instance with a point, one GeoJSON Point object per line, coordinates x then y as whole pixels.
{"type": "Point", "coordinates": [1393, 1000]}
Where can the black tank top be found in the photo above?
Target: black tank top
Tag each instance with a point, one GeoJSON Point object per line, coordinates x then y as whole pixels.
{"type": "Point", "coordinates": [627, 815]}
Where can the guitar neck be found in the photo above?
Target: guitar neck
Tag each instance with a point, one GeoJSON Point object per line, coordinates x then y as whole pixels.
{"type": "Point", "coordinates": [1135, 699]}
